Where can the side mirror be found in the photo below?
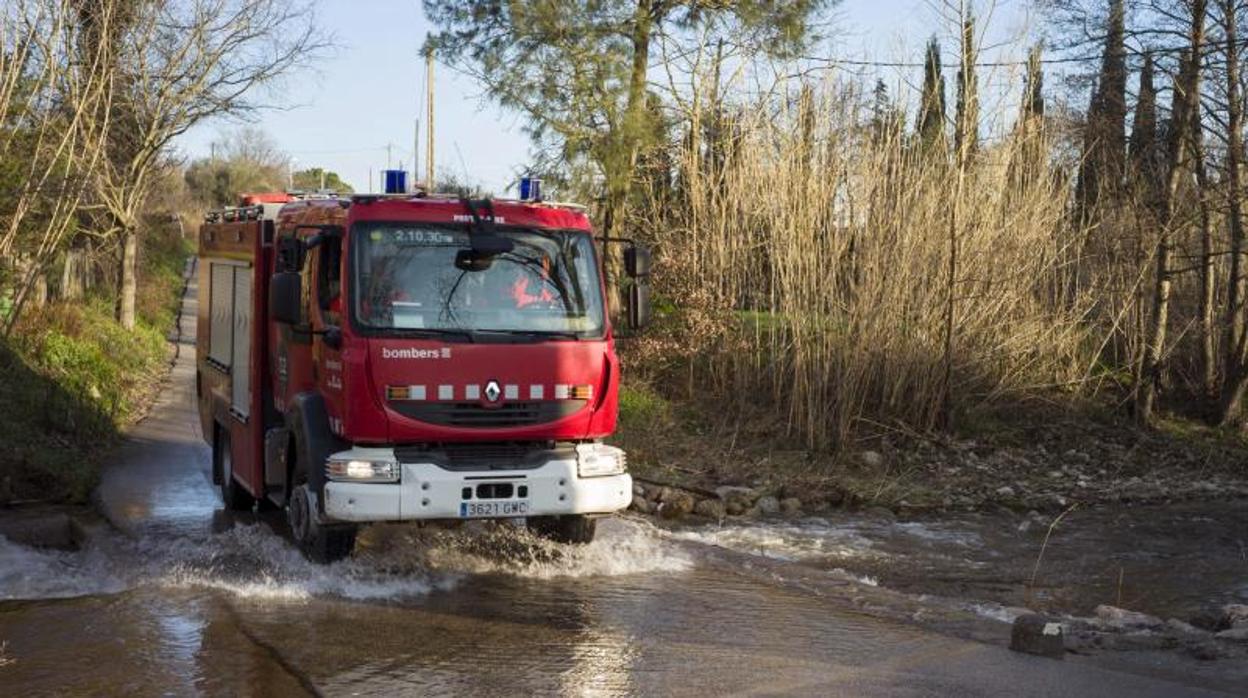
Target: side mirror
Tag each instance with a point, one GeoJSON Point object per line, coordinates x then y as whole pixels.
{"type": "Point", "coordinates": [332, 336]}
{"type": "Point", "coordinates": [286, 298]}
{"type": "Point", "coordinates": [637, 261]}
{"type": "Point", "coordinates": [290, 254]}
{"type": "Point", "coordinates": [638, 304]}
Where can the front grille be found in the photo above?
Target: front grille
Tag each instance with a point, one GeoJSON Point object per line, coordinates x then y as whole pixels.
{"type": "Point", "coordinates": [501, 455]}
{"type": "Point", "coordinates": [474, 415]}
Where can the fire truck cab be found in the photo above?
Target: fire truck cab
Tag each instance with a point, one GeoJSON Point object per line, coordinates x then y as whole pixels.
{"type": "Point", "coordinates": [411, 357]}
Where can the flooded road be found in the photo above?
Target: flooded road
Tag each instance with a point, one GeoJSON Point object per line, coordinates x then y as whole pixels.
{"type": "Point", "coordinates": [1169, 561]}
{"type": "Point", "coordinates": [184, 599]}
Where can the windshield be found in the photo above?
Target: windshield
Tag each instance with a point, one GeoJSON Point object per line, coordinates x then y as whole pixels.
{"type": "Point", "coordinates": [406, 279]}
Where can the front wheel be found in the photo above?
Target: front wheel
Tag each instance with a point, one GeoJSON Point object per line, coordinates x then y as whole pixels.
{"type": "Point", "coordinates": [574, 528]}
{"type": "Point", "coordinates": [319, 542]}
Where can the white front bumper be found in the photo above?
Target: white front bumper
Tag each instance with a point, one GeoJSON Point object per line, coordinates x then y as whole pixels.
{"type": "Point", "coordinates": [426, 491]}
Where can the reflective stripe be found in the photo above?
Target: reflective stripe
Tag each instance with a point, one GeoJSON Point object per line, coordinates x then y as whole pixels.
{"type": "Point", "coordinates": [561, 392]}
{"type": "Point", "coordinates": [415, 392]}
{"type": "Point", "coordinates": [446, 392]}
{"type": "Point", "coordinates": [472, 392]}
{"type": "Point", "coordinates": [537, 392]}
{"type": "Point", "coordinates": [511, 392]}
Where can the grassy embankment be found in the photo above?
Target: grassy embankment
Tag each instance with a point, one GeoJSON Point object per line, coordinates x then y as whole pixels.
{"type": "Point", "coordinates": [71, 378]}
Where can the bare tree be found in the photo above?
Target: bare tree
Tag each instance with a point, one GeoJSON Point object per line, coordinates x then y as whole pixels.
{"type": "Point", "coordinates": [178, 63]}
{"type": "Point", "coordinates": [1183, 123]}
{"type": "Point", "coordinates": [50, 90]}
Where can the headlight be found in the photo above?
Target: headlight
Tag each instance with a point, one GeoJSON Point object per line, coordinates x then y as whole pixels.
{"type": "Point", "coordinates": [362, 470]}
{"type": "Point", "coordinates": [597, 460]}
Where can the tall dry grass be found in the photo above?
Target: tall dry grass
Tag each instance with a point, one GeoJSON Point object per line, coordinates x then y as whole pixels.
{"type": "Point", "coordinates": [806, 263]}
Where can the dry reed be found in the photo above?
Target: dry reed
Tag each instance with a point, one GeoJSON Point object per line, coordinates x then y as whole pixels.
{"type": "Point", "coordinates": [820, 243]}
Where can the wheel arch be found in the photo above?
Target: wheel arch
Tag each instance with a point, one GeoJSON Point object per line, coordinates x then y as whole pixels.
{"type": "Point", "coordinates": [313, 442]}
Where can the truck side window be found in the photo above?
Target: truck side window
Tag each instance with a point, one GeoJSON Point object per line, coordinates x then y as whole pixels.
{"type": "Point", "coordinates": [329, 273]}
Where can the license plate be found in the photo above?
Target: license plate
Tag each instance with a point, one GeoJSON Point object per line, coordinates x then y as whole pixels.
{"type": "Point", "coordinates": [499, 509]}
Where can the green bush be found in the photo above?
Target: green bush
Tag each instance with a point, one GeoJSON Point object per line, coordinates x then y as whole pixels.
{"type": "Point", "coordinates": [71, 378]}
{"type": "Point", "coordinates": [641, 407]}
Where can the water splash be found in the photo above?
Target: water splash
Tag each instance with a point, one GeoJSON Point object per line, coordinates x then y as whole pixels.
{"type": "Point", "coordinates": [27, 573]}
{"type": "Point", "coordinates": [622, 547]}
{"type": "Point", "coordinates": [254, 562]}
{"type": "Point", "coordinates": [814, 539]}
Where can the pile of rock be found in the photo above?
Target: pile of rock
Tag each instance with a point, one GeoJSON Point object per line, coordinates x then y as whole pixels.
{"type": "Point", "coordinates": [670, 502]}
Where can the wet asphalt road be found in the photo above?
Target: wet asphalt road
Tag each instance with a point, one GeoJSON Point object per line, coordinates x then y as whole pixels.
{"type": "Point", "coordinates": [188, 600]}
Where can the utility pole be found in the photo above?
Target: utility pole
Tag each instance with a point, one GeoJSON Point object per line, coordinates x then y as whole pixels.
{"type": "Point", "coordinates": [416, 153]}
{"type": "Point", "coordinates": [389, 147]}
{"type": "Point", "coordinates": [429, 120]}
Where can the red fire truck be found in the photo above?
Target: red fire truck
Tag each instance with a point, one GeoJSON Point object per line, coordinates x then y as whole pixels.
{"type": "Point", "coordinates": [411, 357]}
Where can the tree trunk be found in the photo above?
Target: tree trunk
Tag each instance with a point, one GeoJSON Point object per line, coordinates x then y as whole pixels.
{"type": "Point", "coordinates": [1236, 349]}
{"type": "Point", "coordinates": [127, 274]}
{"type": "Point", "coordinates": [1208, 355]}
{"type": "Point", "coordinates": [622, 159]}
{"type": "Point", "coordinates": [1186, 95]}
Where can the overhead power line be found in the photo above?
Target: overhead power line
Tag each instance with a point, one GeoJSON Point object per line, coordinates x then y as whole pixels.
{"type": "Point", "coordinates": [1175, 50]}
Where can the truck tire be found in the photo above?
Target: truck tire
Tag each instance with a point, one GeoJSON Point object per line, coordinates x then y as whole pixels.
{"type": "Point", "coordinates": [574, 528]}
{"type": "Point", "coordinates": [233, 496]}
{"type": "Point", "coordinates": [320, 543]}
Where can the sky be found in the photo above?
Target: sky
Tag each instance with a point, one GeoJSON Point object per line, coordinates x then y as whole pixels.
{"type": "Point", "coordinates": [367, 94]}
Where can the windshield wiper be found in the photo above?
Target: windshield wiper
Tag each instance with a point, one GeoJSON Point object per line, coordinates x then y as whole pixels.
{"type": "Point", "coordinates": [432, 332]}
{"type": "Point", "coordinates": [533, 334]}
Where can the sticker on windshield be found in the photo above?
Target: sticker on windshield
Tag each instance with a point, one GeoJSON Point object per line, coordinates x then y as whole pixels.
{"type": "Point", "coordinates": [419, 236]}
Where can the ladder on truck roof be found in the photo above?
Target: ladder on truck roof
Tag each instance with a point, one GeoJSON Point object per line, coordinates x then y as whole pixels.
{"type": "Point", "coordinates": [263, 209]}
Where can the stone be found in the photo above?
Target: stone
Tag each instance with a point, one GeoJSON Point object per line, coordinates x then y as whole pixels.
{"type": "Point", "coordinates": [768, 505]}
{"type": "Point", "coordinates": [1210, 619]}
{"type": "Point", "coordinates": [1122, 618]}
{"type": "Point", "coordinates": [1038, 635]}
{"type": "Point", "coordinates": [639, 490]}
{"type": "Point", "coordinates": [1005, 491]}
{"type": "Point", "coordinates": [726, 492]}
{"type": "Point", "coordinates": [736, 499]}
{"type": "Point", "coordinates": [1178, 626]}
{"type": "Point", "coordinates": [1234, 634]}
{"type": "Point", "coordinates": [871, 459]}
{"type": "Point", "coordinates": [818, 505]}
{"type": "Point", "coordinates": [1236, 615]}
{"type": "Point", "coordinates": [882, 513]}
{"type": "Point", "coordinates": [642, 505]}
{"type": "Point", "coordinates": [791, 506]}
{"type": "Point", "coordinates": [676, 504]}
{"type": "Point", "coordinates": [39, 529]}
{"type": "Point", "coordinates": [711, 509]}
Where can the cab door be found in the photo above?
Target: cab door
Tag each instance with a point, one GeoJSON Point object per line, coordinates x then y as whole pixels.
{"type": "Point", "coordinates": [327, 320]}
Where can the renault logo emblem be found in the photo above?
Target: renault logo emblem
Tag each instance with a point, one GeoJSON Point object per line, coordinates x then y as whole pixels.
{"type": "Point", "coordinates": [493, 391]}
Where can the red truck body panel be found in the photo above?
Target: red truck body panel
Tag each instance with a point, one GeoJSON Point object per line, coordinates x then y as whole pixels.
{"type": "Point", "coordinates": [353, 380]}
